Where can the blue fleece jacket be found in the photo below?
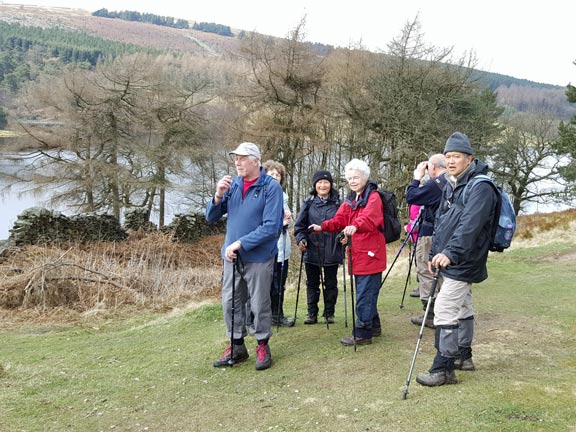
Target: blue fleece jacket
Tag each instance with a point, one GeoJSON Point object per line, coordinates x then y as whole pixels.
{"type": "Point", "coordinates": [255, 220]}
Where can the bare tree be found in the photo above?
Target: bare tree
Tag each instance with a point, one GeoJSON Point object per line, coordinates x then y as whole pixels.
{"type": "Point", "coordinates": [121, 131]}
{"type": "Point", "coordinates": [283, 96]}
{"type": "Point", "coordinates": [526, 162]}
{"type": "Point", "coordinates": [173, 122]}
{"type": "Point", "coordinates": [78, 156]}
{"type": "Point", "coordinates": [402, 104]}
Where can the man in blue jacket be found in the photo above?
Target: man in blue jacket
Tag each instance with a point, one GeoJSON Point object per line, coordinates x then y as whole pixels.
{"type": "Point", "coordinates": [254, 205]}
{"type": "Point", "coordinates": [428, 196]}
{"type": "Point", "coordinates": [459, 250]}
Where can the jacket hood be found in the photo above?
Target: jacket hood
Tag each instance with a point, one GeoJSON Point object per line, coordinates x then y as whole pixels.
{"type": "Point", "coordinates": [481, 167]}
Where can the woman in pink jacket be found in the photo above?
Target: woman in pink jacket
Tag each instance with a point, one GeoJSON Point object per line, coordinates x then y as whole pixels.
{"type": "Point", "coordinates": [413, 213]}
{"type": "Point", "coordinates": [361, 219]}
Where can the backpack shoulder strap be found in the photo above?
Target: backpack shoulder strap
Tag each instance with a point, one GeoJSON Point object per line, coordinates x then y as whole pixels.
{"type": "Point", "coordinates": [477, 179]}
{"type": "Point", "coordinates": [267, 181]}
{"type": "Point", "coordinates": [484, 178]}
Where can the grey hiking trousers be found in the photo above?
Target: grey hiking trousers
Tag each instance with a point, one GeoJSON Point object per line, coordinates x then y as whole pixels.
{"type": "Point", "coordinates": [253, 279]}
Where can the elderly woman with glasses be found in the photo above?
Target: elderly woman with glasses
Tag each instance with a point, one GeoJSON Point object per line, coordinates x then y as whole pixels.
{"type": "Point", "coordinates": [361, 219]}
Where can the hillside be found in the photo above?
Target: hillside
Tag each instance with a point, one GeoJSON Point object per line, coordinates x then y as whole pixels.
{"type": "Point", "coordinates": [141, 34]}
{"type": "Point", "coordinates": [520, 94]}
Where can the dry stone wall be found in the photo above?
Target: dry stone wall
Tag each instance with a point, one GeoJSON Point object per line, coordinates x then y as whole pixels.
{"type": "Point", "coordinates": [39, 226]}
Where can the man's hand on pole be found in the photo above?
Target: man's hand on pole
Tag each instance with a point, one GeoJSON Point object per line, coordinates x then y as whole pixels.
{"type": "Point", "coordinates": [230, 252]}
{"type": "Point", "coordinates": [439, 261]}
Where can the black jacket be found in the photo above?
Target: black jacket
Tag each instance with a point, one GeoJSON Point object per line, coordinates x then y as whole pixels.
{"type": "Point", "coordinates": [315, 211]}
{"type": "Point", "coordinates": [462, 231]}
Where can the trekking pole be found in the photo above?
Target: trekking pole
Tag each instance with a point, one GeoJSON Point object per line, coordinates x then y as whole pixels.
{"type": "Point", "coordinates": [321, 262]}
{"type": "Point", "coordinates": [281, 282]}
{"type": "Point", "coordinates": [298, 289]}
{"type": "Point", "coordinates": [231, 360]}
{"type": "Point", "coordinates": [408, 236]}
{"type": "Point", "coordinates": [434, 284]}
{"type": "Point", "coordinates": [345, 301]}
{"type": "Point", "coordinates": [349, 247]}
{"type": "Point", "coordinates": [412, 259]}
{"type": "Point", "coordinates": [339, 238]}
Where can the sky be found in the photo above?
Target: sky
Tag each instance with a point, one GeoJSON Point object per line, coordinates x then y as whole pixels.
{"type": "Point", "coordinates": [527, 40]}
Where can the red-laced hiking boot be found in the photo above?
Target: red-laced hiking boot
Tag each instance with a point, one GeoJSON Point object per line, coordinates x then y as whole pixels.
{"type": "Point", "coordinates": [263, 357]}
{"type": "Point", "coordinates": [240, 355]}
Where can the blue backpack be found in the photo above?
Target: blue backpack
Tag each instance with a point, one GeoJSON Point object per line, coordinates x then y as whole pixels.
{"type": "Point", "coordinates": [504, 226]}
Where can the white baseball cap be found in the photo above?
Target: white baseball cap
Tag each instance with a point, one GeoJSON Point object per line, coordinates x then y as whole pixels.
{"type": "Point", "coordinates": [246, 149]}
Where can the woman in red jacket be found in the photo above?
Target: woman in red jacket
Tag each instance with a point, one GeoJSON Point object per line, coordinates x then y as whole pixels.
{"type": "Point", "coordinates": [361, 219]}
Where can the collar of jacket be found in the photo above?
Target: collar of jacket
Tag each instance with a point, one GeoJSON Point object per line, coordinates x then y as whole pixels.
{"type": "Point", "coordinates": [463, 176]}
{"type": "Point", "coordinates": [332, 196]}
{"type": "Point", "coordinates": [371, 186]}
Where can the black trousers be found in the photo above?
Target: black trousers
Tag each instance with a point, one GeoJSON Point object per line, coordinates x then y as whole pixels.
{"type": "Point", "coordinates": [278, 287]}
{"type": "Point", "coordinates": [313, 288]}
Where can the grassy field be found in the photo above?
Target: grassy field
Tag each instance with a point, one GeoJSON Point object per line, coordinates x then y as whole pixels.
{"type": "Point", "coordinates": [153, 372]}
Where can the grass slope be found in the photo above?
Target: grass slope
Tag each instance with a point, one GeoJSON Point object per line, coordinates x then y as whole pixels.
{"type": "Point", "coordinates": [154, 372]}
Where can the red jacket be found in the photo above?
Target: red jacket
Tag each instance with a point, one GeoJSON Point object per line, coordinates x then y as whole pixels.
{"type": "Point", "coordinates": [368, 244]}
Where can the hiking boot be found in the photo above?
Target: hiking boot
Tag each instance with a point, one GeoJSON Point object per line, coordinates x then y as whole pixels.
{"type": "Point", "coordinates": [377, 332]}
{"type": "Point", "coordinates": [263, 356]}
{"type": "Point", "coordinates": [284, 322]}
{"type": "Point", "coordinates": [433, 379]}
{"type": "Point", "coordinates": [311, 319]}
{"type": "Point", "coordinates": [240, 355]}
{"type": "Point", "coordinates": [415, 292]}
{"type": "Point", "coordinates": [349, 341]}
{"type": "Point", "coordinates": [418, 321]}
{"type": "Point", "coordinates": [330, 319]}
{"type": "Point", "coordinates": [464, 365]}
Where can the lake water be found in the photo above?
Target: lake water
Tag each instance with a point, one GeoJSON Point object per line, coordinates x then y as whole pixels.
{"type": "Point", "coordinates": [16, 200]}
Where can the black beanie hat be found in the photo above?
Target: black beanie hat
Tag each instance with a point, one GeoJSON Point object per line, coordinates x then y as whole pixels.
{"type": "Point", "coordinates": [322, 175]}
{"type": "Point", "coordinates": [458, 142]}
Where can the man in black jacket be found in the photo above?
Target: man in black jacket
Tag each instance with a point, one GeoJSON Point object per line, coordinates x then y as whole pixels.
{"type": "Point", "coordinates": [460, 243]}
{"type": "Point", "coordinates": [428, 196]}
